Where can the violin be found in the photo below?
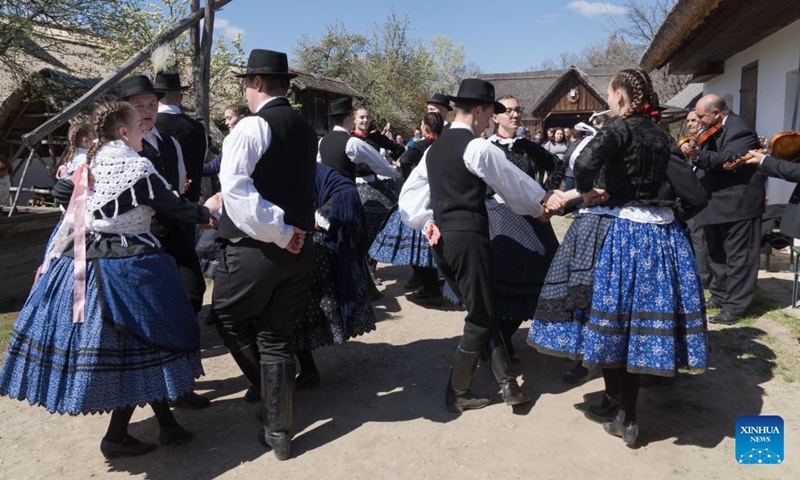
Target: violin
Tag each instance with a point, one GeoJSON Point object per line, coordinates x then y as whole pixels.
{"type": "Point", "coordinates": [700, 137]}
{"type": "Point", "coordinates": [782, 146]}
{"type": "Point", "coordinates": [682, 140]}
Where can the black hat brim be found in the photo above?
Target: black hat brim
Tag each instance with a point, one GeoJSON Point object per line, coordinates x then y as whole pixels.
{"type": "Point", "coordinates": [339, 114]}
{"type": "Point", "coordinates": [498, 107]}
{"type": "Point", "coordinates": [159, 94]}
{"type": "Point", "coordinates": [447, 107]}
{"type": "Point", "coordinates": [251, 73]}
{"type": "Point", "coordinates": [174, 89]}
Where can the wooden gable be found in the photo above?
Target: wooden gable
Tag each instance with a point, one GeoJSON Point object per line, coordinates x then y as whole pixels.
{"type": "Point", "coordinates": [560, 99]}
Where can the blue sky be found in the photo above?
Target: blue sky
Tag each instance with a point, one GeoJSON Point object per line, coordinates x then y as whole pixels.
{"type": "Point", "coordinates": [510, 37]}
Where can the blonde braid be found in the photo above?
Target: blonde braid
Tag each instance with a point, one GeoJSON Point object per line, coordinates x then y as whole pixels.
{"type": "Point", "coordinates": [106, 119]}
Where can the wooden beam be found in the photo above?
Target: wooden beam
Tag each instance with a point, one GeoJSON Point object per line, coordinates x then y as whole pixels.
{"type": "Point", "coordinates": [48, 127]}
{"type": "Point", "coordinates": [15, 121]}
{"type": "Point", "coordinates": [21, 180]}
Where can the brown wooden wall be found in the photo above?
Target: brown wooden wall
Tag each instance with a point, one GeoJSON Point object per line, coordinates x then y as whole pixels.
{"type": "Point", "coordinates": [559, 100]}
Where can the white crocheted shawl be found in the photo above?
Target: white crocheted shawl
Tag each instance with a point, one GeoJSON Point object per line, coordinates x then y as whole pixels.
{"type": "Point", "coordinates": [115, 168]}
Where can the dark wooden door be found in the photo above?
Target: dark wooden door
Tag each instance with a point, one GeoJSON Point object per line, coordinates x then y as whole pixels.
{"type": "Point", "coordinates": [748, 93]}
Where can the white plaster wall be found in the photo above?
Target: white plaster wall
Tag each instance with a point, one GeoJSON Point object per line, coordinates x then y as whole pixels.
{"type": "Point", "coordinates": [778, 58]}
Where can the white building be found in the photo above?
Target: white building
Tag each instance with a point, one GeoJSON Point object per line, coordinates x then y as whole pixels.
{"type": "Point", "coordinates": [747, 51]}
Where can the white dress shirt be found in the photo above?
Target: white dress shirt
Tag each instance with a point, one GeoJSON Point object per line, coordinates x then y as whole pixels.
{"type": "Point", "coordinates": [152, 137]}
{"type": "Point", "coordinates": [248, 210]}
{"type": "Point", "coordinates": [359, 151]}
{"type": "Point", "coordinates": [519, 191]}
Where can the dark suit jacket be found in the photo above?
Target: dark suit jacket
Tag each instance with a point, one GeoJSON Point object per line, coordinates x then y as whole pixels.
{"type": "Point", "coordinates": [790, 223]}
{"type": "Point", "coordinates": [191, 135]}
{"type": "Point", "coordinates": [733, 196]}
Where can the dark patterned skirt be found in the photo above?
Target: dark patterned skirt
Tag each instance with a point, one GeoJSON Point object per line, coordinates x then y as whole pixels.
{"type": "Point", "coordinates": [378, 198]}
{"type": "Point", "coordinates": [322, 323]}
{"type": "Point", "coordinates": [139, 342]}
{"type": "Point", "coordinates": [522, 249]}
{"type": "Point", "coordinates": [647, 312]}
{"type": "Point", "coordinates": [399, 244]}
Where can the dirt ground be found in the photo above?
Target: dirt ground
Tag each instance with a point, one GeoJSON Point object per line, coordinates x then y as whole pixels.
{"type": "Point", "coordinates": [379, 412]}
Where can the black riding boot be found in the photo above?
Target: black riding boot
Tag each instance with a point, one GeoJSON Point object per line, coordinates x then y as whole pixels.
{"type": "Point", "coordinates": [498, 357]}
{"type": "Point", "coordinates": [277, 388]}
{"type": "Point", "coordinates": [458, 397]}
{"type": "Point", "coordinates": [249, 362]}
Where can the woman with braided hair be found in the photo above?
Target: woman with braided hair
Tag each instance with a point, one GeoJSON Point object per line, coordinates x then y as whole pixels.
{"type": "Point", "coordinates": [632, 301]}
{"type": "Point", "coordinates": [79, 139]}
{"type": "Point", "coordinates": [106, 326]}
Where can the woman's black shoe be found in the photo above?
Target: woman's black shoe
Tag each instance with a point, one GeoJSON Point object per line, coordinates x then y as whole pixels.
{"type": "Point", "coordinates": [608, 406]}
{"type": "Point", "coordinates": [128, 447]}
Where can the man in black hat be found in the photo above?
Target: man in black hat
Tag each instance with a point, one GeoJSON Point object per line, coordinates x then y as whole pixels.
{"type": "Point", "coordinates": [440, 104]}
{"type": "Point", "coordinates": [262, 283]}
{"type": "Point", "coordinates": [189, 133]}
{"type": "Point", "coordinates": [445, 197]}
{"type": "Point", "coordinates": [341, 151]}
{"type": "Point", "coordinates": [167, 156]}
{"type": "Point", "coordinates": [191, 136]}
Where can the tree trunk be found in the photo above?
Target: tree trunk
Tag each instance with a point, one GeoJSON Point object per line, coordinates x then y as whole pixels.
{"type": "Point", "coordinates": [202, 66]}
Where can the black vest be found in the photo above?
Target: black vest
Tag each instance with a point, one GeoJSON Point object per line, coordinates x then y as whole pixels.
{"type": "Point", "coordinates": [285, 174]}
{"type": "Point", "coordinates": [166, 162]}
{"type": "Point", "coordinates": [333, 153]}
{"type": "Point", "coordinates": [191, 135]}
{"type": "Point", "coordinates": [457, 196]}
{"type": "Point", "coordinates": [165, 159]}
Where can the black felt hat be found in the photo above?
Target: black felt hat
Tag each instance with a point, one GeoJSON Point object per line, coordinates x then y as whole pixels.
{"type": "Point", "coordinates": [475, 90]}
{"type": "Point", "coordinates": [341, 106]}
{"type": "Point", "coordinates": [267, 62]}
{"type": "Point", "coordinates": [168, 81]}
{"type": "Point", "coordinates": [137, 85]}
{"type": "Point", "coordinates": [440, 99]}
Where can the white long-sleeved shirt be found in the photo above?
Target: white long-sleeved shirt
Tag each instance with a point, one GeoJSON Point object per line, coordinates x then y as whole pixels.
{"type": "Point", "coordinates": [519, 191]}
{"type": "Point", "coordinates": [359, 151]}
{"type": "Point", "coordinates": [248, 210]}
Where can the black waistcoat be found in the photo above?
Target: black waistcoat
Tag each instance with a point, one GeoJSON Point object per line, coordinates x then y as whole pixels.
{"type": "Point", "coordinates": [166, 162]}
{"type": "Point", "coordinates": [286, 172]}
{"type": "Point", "coordinates": [333, 153]}
{"type": "Point", "coordinates": [191, 135]}
{"type": "Point", "coordinates": [457, 196]}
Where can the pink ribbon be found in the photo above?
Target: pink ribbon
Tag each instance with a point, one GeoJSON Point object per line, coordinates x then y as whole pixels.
{"type": "Point", "coordinates": [77, 210]}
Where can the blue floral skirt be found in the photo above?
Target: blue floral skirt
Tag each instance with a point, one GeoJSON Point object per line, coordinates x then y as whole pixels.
{"type": "Point", "coordinates": [399, 244]}
{"type": "Point", "coordinates": [322, 324]}
{"type": "Point", "coordinates": [139, 341]}
{"type": "Point", "coordinates": [647, 312]}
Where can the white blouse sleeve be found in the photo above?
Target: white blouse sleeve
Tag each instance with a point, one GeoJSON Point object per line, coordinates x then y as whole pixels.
{"type": "Point", "coordinates": [415, 198]}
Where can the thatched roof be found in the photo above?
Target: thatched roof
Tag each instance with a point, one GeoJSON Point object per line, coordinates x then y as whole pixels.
{"type": "Point", "coordinates": [687, 97]}
{"type": "Point", "coordinates": [699, 35]}
{"type": "Point", "coordinates": [306, 80]}
{"type": "Point", "coordinates": [532, 88]}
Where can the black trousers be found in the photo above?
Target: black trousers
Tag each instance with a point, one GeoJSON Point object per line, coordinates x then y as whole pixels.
{"type": "Point", "coordinates": [260, 292]}
{"type": "Point", "coordinates": [697, 233]}
{"type": "Point", "coordinates": [734, 259]}
{"type": "Point", "coordinates": [179, 244]}
{"type": "Point", "coordinates": [465, 260]}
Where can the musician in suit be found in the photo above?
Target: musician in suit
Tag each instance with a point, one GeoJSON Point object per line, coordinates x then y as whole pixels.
{"type": "Point", "coordinates": [732, 220]}
{"type": "Point", "coordinates": [790, 222]}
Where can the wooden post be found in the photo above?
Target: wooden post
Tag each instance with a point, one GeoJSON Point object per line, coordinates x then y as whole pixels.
{"type": "Point", "coordinates": [21, 180]}
{"type": "Point", "coordinates": [202, 65]}
{"type": "Point", "coordinates": [48, 127]}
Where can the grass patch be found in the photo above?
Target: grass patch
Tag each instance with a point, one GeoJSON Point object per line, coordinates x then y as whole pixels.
{"type": "Point", "coordinates": [788, 321]}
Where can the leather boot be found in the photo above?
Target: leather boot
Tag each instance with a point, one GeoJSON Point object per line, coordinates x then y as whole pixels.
{"type": "Point", "coordinates": [249, 362]}
{"type": "Point", "coordinates": [458, 396]}
{"type": "Point", "coordinates": [277, 389]}
{"type": "Point", "coordinates": [498, 357]}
